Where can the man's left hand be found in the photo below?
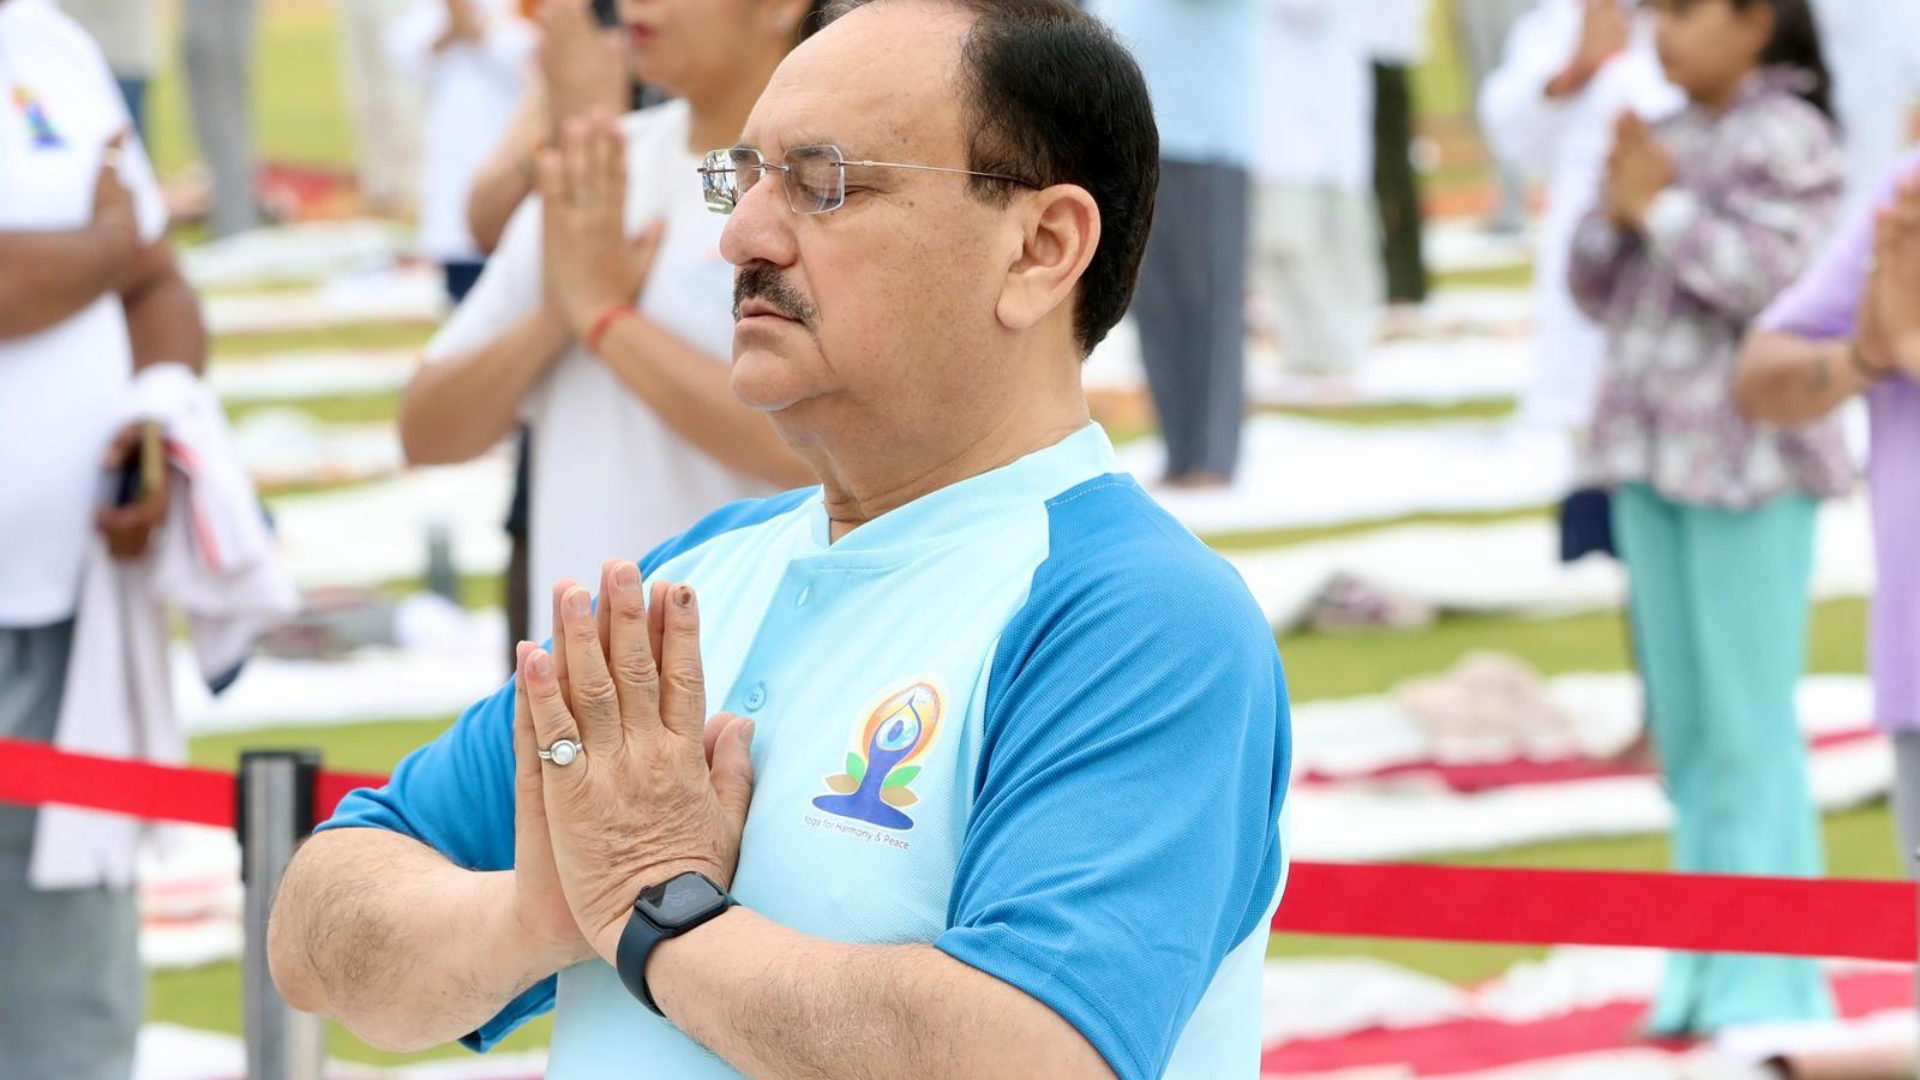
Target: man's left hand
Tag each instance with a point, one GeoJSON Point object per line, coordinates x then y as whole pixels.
{"type": "Point", "coordinates": [591, 266]}
{"type": "Point", "coordinates": [640, 804]}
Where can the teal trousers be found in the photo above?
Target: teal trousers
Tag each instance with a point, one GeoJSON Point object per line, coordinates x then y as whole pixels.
{"type": "Point", "coordinates": [1720, 620]}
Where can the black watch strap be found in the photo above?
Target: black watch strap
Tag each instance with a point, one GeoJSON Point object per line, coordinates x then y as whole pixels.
{"type": "Point", "coordinates": [643, 933]}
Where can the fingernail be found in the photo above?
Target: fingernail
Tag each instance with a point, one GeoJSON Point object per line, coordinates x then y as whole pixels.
{"type": "Point", "coordinates": [746, 733]}
{"type": "Point", "coordinates": [683, 596]}
{"type": "Point", "coordinates": [627, 578]}
{"type": "Point", "coordinates": [578, 602]}
{"type": "Point", "coordinates": [542, 664]}
{"type": "Point", "coordinates": [520, 651]}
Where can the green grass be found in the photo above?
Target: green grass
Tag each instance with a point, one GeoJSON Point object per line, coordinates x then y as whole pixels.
{"type": "Point", "coordinates": [344, 409]}
{"type": "Point", "coordinates": [267, 346]}
{"type": "Point", "coordinates": [300, 112]}
{"type": "Point", "coordinates": [1323, 666]}
{"type": "Point", "coordinates": [1499, 277]}
{"type": "Point", "coordinates": [1376, 415]}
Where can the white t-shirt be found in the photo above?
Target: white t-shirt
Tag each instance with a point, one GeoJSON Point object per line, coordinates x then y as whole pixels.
{"type": "Point", "coordinates": [1315, 95]}
{"type": "Point", "coordinates": [610, 478]}
{"type": "Point", "coordinates": [60, 389]}
{"type": "Point", "coordinates": [472, 90]}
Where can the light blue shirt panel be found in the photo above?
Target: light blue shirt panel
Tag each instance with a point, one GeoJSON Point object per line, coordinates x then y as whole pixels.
{"type": "Point", "coordinates": [1198, 57]}
{"type": "Point", "coordinates": [809, 640]}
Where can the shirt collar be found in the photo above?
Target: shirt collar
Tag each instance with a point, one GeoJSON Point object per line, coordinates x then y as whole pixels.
{"type": "Point", "coordinates": [974, 504]}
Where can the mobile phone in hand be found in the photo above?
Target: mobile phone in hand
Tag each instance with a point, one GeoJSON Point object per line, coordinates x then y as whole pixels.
{"type": "Point", "coordinates": [140, 474]}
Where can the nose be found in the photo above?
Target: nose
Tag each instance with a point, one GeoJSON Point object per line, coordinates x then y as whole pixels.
{"type": "Point", "coordinates": [760, 229]}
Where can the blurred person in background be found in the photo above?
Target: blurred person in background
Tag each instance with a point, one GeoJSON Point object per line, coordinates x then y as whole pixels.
{"type": "Point", "coordinates": [1703, 220]}
{"type": "Point", "coordinates": [89, 291]}
{"type": "Point", "coordinates": [217, 48]}
{"type": "Point", "coordinates": [582, 66]}
{"type": "Point", "coordinates": [386, 107]}
{"type": "Point", "coordinates": [126, 35]}
{"type": "Point", "coordinates": [1316, 245]}
{"type": "Point", "coordinates": [1873, 49]}
{"type": "Point", "coordinates": [604, 320]}
{"type": "Point", "coordinates": [1190, 309]}
{"type": "Point", "coordinates": [1572, 68]}
{"type": "Point", "coordinates": [1850, 328]}
{"type": "Point", "coordinates": [1483, 27]}
{"type": "Point", "coordinates": [471, 57]}
{"type": "Point", "coordinates": [1400, 42]}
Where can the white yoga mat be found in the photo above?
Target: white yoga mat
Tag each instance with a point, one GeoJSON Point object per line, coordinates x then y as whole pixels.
{"type": "Point", "coordinates": [292, 254]}
{"type": "Point", "coordinates": [392, 295]}
{"type": "Point", "coordinates": [1506, 567]}
{"type": "Point", "coordinates": [292, 376]}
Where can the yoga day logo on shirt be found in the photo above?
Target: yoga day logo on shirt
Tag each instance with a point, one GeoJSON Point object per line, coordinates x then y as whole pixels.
{"type": "Point", "coordinates": [874, 789]}
{"type": "Point", "coordinates": [44, 136]}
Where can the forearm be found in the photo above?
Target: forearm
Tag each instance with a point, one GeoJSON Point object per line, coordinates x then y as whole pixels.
{"type": "Point", "coordinates": [1792, 381]}
{"type": "Point", "coordinates": [502, 184]}
{"type": "Point", "coordinates": [48, 277]}
{"type": "Point", "coordinates": [406, 950]}
{"type": "Point", "coordinates": [163, 321]}
{"type": "Point", "coordinates": [694, 395]}
{"type": "Point", "coordinates": [780, 1005]}
{"type": "Point", "coordinates": [458, 408]}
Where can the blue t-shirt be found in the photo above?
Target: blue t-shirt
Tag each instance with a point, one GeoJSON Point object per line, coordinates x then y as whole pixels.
{"type": "Point", "coordinates": [1028, 718]}
{"type": "Point", "coordinates": [1198, 57]}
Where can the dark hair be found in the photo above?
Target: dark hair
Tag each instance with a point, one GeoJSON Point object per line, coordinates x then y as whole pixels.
{"type": "Point", "coordinates": [1796, 44]}
{"type": "Point", "coordinates": [1056, 99]}
{"type": "Point", "coordinates": [815, 18]}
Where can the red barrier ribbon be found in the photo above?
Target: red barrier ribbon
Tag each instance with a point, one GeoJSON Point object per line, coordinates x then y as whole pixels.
{"type": "Point", "coordinates": [1865, 920]}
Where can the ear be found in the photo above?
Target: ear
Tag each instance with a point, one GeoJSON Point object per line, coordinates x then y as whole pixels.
{"type": "Point", "coordinates": [1059, 232]}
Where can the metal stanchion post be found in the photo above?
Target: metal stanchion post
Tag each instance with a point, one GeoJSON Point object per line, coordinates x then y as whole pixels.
{"type": "Point", "coordinates": [276, 813]}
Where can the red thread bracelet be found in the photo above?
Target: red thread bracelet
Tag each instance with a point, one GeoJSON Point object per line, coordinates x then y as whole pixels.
{"type": "Point", "coordinates": [605, 323]}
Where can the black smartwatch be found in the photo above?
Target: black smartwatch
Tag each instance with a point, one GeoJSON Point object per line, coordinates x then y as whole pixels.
{"type": "Point", "coordinates": [664, 911]}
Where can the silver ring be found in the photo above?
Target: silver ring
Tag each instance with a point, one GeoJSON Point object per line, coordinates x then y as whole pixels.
{"type": "Point", "coordinates": [563, 752]}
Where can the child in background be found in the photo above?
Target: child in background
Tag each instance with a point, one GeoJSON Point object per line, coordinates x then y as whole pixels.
{"type": "Point", "coordinates": [1702, 221]}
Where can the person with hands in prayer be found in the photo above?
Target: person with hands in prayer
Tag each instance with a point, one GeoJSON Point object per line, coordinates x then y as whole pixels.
{"type": "Point", "coordinates": [632, 395]}
{"type": "Point", "coordinates": [969, 762]}
{"type": "Point", "coordinates": [1850, 328]}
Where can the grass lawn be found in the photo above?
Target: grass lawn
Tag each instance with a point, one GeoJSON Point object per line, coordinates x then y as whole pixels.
{"type": "Point", "coordinates": [300, 113]}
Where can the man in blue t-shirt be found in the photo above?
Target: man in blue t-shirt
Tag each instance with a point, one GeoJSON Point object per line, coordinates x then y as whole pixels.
{"type": "Point", "coordinates": [995, 783]}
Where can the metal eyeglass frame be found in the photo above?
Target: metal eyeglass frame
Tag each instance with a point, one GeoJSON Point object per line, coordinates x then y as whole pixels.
{"type": "Point", "coordinates": [720, 170]}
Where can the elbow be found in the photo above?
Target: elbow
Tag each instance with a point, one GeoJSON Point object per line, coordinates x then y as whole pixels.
{"type": "Point", "coordinates": [289, 962]}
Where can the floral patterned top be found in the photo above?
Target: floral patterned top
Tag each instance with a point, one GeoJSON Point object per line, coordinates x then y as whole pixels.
{"type": "Point", "coordinates": [1756, 191]}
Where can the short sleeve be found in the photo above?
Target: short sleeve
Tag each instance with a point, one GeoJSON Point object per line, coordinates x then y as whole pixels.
{"type": "Point", "coordinates": [509, 289]}
{"type": "Point", "coordinates": [1124, 835]}
{"type": "Point", "coordinates": [1825, 302]}
{"type": "Point", "coordinates": [455, 795]}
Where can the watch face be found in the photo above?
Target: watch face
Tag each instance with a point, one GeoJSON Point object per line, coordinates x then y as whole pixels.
{"type": "Point", "coordinates": [673, 904]}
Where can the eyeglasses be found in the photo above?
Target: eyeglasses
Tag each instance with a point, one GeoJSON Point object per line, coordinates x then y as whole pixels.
{"type": "Point", "coordinates": [815, 177]}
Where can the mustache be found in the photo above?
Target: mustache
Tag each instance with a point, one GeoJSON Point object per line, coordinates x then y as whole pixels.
{"type": "Point", "coordinates": [762, 282]}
